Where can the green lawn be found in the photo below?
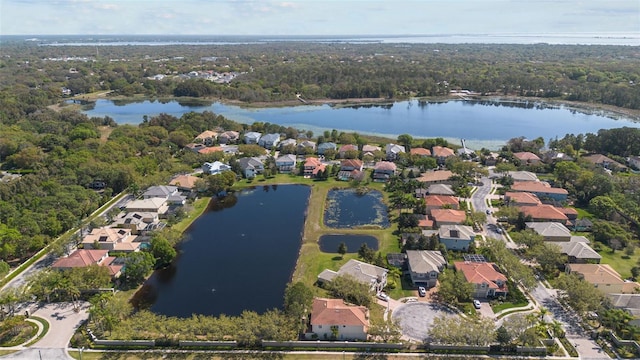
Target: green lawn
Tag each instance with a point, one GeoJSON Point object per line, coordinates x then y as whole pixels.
{"type": "Point", "coordinates": [617, 262]}
{"type": "Point", "coordinates": [584, 213]}
{"type": "Point", "coordinates": [508, 305]}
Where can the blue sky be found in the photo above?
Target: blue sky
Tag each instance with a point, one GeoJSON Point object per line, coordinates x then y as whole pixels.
{"type": "Point", "coordinates": [317, 17]}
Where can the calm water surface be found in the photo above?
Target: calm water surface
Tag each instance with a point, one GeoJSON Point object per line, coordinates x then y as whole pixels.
{"type": "Point", "coordinates": [476, 121]}
{"type": "Point", "coordinates": [346, 208]}
{"type": "Point", "coordinates": [330, 243]}
{"type": "Point", "coordinates": [239, 256]}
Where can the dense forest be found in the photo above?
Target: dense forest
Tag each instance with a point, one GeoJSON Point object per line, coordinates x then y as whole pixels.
{"type": "Point", "coordinates": [277, 71]}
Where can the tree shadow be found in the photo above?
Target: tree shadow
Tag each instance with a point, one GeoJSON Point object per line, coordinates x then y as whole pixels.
{"type": "Point", "coordinates": [336, 258]}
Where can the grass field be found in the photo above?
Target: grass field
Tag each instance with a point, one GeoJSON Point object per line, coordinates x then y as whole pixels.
{"type": "Point", "coordinates": [618, 260]}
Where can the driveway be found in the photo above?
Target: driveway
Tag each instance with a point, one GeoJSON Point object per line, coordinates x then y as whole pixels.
{"type": "Point", "coordinates": [416, 318]}
{"type": "Point", "coordinates": [63, 322]}
{"type": "Point", "coordinates": [486, 310]}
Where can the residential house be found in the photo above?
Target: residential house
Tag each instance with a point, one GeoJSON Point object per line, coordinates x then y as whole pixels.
{"type": "Point", "coordinates": [184, 182]}
{"type": "Point", "coordinates": [441, 154]}
{"type": "Point", "coordinates": [286, 163]}
{"type": "Point", "coordinates": [522, 176]}
{"type": "Point", "coordinates": [544, 213]}
{"type": "Point", "coordinates": [286, 143]}
{"type": "Point", "coordinates": [420, 152]}
{"type": "Point", "coordinates": [85, 258]}
{"type": "Point", "coordinates": [155, 205]}
{"type": "Point", "coordinates": [370, 150]}
{"type": "Point", "coordinates": [312, 166]}
{"type": "Point", "coordinates": [195, 147]}
{"type": "Point", "coordinates": [207, 137]}
{"type": "Point", "coordinates": [603, 277]}
{"type": "Point", "coordinates": [350, 169]}
{"type": "Point", "coordinates": [228, 137]}
{"type": "Point", "coordinates": [344, 148]}
{"type": "Point", "coordinates": [550, 231]}
{"type": "Point", "coordinates": [167, 192]}
{"type": "Point", "coordinates": [441, 202]}
{"type": "Point", "coordinates": [393, 151]}
{"type": "Point", "coordinates": [436, 177]}
{"type": "Point", "coordinates": [424, 267]}
{"type": "Point", "coordinates": [384, 170]}
{"type": "Point", "coordinates": [634, 162]}
{"type": "Point", "coordinates": [583, 224]}
{"type": "Point", "coordinates": [512, 198]}
{"type": "Point", "coordinates": [251, 166]}
{"type": "Point", "coordinates": [137, 222]}
{"type": "Point", "coordinates": [491, 159]}
{"type": "Point", "coordinates": [628, 302]}
{"type": "Point", "coordinates": [269, 141]}
{"type": "Point", "coordinates": [210, 150]}
{"type": "Point", "coordinates": [527, 158]}
{"type": "Point", "coordinates": [578, 252]}
{"type": "Point", "coordinates": [541, 189]}
{"type": "Point", "coordinates": [332, 319]}
{"type": "Point", "coordinates": [326, 146]}
{"type": "Point", "coordinates": [605, 162]}
{"type": "Point", "coordinates": [373, 276]}
{"type": "Point", "coordinates": [448, 217]}
{"type": "Point", "coordinates": [306, 147]}
{"type": "Point", "coordinates": [425, 222]}
{"type": "Point", "coordinates": [555, 156]}
{"type": "Point", "coordinates": [440, 189]}
{"type": "Point", "coordinates": [106, 238]}
{"type": "Point", "coordinates": [487, 280]}
{"type": "Point", "coordinates": [456, 237]}
{"type": "Point", "coordinates": [570, 213]}
{"type": "Point", "coordinates": [215, 168]}
{"type": "Point", "coordinates": [252, 137]}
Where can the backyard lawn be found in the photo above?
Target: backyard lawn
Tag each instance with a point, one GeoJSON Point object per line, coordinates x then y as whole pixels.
{"type": "Point", "coordinates": [619, 261]}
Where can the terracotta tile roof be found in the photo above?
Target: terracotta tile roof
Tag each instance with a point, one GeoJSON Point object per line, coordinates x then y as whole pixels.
{"type": "Point", "coordinates": [569, 211]}
{"type": "Point", "coordinates": [420, 152]}
{"type": "Point", "coordinates": [602, 274]}
{"type": "Point", "coordinates": [184, 181]}
{"type": "Point", "coordinates": [370, 148]}
{"type": "Point", "coordinates": [207, 134]}
{"type": "Point", "coordinates": [448, 216]}
{"type": "Point", "coordinates": [441, 200]}
{"type": "Point", "coordinates": [425, 222]}
{"type": "Point", "coordinates": [312, 162]}
{"type": "Point", "coordinates": [602, 160]}
{"type": "Point", "coordinates": [347, 147]}
{"type": "Point", "coordinates": [336, 312]}
{"type": "Point", "coordinates": [544, 212]}
{"type": "Point", "coordinates": [434, 176]}
{"type": "Point", "coordinates": [80, 258]}
{"type": "Point", "coordinates": [441, 151]}
{"type": "Point", "coordinates": [385, 166]}
{"type": "Point", "coordinates": [481, 273]}
{"type": "Point", "coordinates": [517, 198]}
{"type": "Point", "coordinates": [209, 150]}
{"type": "Point", "coordinates": [354, 163]}
{"type": "Point", "coordinates": [526, 156]}
{"type": "Point", "coordinates": [537, 187]}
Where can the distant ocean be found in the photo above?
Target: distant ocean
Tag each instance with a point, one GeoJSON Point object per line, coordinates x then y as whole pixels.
{"type": "Point", "coordinates": [632, 39]}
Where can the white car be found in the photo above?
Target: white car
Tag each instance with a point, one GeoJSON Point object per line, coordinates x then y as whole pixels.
{"type": "Point", "coordinates": [422, 291]}
{"type": "Point", "coordinates": [383, 296]}
{"type": "Point", "coordinates": [476, 304]}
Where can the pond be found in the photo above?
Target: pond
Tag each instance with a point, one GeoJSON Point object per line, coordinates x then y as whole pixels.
{"type": "Point", "coordinates": [350, 208]}
{"type": "Point", "coordinates": [486, 122]}
{"type": "Point", "coordinates": [239, 255]}
{"type": "Point", "coordinates": [330, 243]}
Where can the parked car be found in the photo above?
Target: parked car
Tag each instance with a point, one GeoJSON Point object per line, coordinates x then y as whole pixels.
{"type": "Point", "coordinates": [422, 291]}
{"type": "Point", "coordinates": [476, 304]}
{"type": "Point", "coordinates": [382, 296]}
{"type": "Point", "coordinates": [488, 212]}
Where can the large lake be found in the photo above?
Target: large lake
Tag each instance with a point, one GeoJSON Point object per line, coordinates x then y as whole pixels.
{"type": "Point", "coordinates": [240, 255]}
{"type": "Point", "coordinates": [483, 123]}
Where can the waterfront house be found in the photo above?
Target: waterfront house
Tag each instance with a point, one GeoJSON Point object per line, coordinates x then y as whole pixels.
{"type": "Point", "coordinates": [286, 163]}
{"type": "Point", "coordinates": [383, 171]}
{"type": "Point", "coordinates": [373, 276]}
{"type": "Point", "coordinates": [106, 238]}
{"type": "Point", "coordinates": [215, 168]}
{"type": "Point", "coordinates": [350, 169]}
{"type": "Point", "coordinates": [137, 222]}
{"type": "Point", "coordinates": [424, 266]}
{"type": "Point", "coordinates": [332, 319]}
{"type": "Point", "coordinates": [85, 258]}
{"type": "Point", "coordinates": [487, 280]}
{"type": "Point", "coordinates": [441, 154]}
{"type": "Point", "coordinates": [604, 162]}
{"type": "Point", "coordinates": [456, 237]}
{"type": "Point", "coordinates": [184, 182]}
{"type": "Point", "coordinates": [422, 152]}
{"type": "Point", "coordinates": [312, 166]}
{"type": "Point", "coordinates": [155, 205]}
{"type": "Point", "coordinates": [251, 166]}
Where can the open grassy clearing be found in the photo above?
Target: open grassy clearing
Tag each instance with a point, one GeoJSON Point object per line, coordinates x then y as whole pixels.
{"type": "Point", "coordinates": [619, 261]}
